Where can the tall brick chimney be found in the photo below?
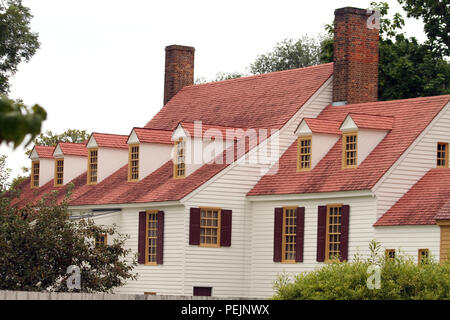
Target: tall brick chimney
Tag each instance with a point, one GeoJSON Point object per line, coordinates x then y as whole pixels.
{"type": "Point", "coordinates": [179, 70]}
{"type": "Point", "coordinates": [355, 76]}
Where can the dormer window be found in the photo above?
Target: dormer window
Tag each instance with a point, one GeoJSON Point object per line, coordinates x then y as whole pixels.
{"type": "Point", "coordinates": [442, 155]}
{"type": "Point", "coordinates": [350, 150]}
{"type": "Point", "coordinates": [133, 163]}
{"type": "Point", "coordinates": [35, 174]}
{"type": "Point", "coordinates": [92, 166]}
{"type": "Point", "coordinates": [179, 167]}
{"type": "Point", "coordinates": [304, 153]}
{"type": "Point", "coordinates": [59, 172]}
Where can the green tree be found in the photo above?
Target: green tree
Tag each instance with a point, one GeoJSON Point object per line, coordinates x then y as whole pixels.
{"type": "Point", "coordinates": [17, 42]}
{"type": "Point", "coordinates": [290, 54]}
{"type": "Point", "coordinates": [70, 135]}
{"type": "Point", "coordinates": [39, 242]}
{"type": "Point", "coordinates": [4, 175]}
{"type": "Point", "coordinates": [436, 18]}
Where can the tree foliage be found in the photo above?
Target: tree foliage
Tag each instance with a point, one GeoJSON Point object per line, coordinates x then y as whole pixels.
{"type": "Point", "coordinates": [436, 18]}
{"type": "Point", "coordinates": [401, 278]}
{"type": "Point", "coordinates": [17, 42]}
{"type": "Point", "coordinates": [39, 242]}
{"type": "Point", "coordinates": [17, 121]}
{"type": "Point", "coordinates": [290, 54]}
{"type": "Point", "coordinates": [70, 135]}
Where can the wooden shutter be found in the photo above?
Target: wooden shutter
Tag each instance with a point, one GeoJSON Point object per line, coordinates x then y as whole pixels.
{"type": "Point", "coordinates": [194, 226]}
{"type": "Point", "coordinates": [141, 237]}
{"type": "Point", "coordinates": [278, 235]}
{"type": "Point", "coordinates": [160, 238]}
{"type": "Point", "coordinates": [300, 233]}
{"type": "Point", "coordinates": [225, 228]}
{"type": "Point", "coordinates": [345, 219]}
{"type": "Point", "coordinates": [203, 291]}
{"type": "Point", "coordinates": [321, 232]}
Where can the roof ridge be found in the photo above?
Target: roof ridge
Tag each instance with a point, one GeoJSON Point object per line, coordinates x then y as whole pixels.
{"type": "Point", "coordinates": [261, 75]}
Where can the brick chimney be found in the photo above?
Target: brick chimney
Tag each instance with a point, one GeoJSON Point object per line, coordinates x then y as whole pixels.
{"type": "Point", "coordinates": [179, 70]}
{"type": "Point", "coordinates": [355, 57]}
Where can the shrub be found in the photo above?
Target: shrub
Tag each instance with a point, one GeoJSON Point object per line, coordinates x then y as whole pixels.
{"type": "Point", "coordinates": [401, 278]}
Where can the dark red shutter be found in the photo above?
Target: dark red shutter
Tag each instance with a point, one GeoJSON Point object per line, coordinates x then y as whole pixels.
{"type": "Point", "coordinates": [160, 238]}
{"type": "Point", "coordinates": [278, 234]}
{"type": "Point", "coordinates": [202, 291]}
{"type": "Point", "coordinates": [321, 232]}
{"type": "Point", "coordinates": [345, 219]}
{"type": "Point", "coordinates": [225, 228]}
{"type": "Point", "coordinates": [300, 234]}
{"type": "Point", "coordinates": [194, 226]}
{"type": "Point", "coordinates": [141, 237]}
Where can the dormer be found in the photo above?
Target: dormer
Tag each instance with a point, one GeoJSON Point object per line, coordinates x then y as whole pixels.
{"type": "Point", "coordinates": [361, 133]}
{"type": "Point", "coordinates": [106, 154]}
{"type": "Point", "coordinates": [196, 144]}
{"type": "Point", "coordinates": [315, 139]}
{"type": "Point", "coordinates": [42, 163]}
{"type": "Point", "coordinates": [69, 162]}
{"type": "Point", "coordinates": [148, 149]}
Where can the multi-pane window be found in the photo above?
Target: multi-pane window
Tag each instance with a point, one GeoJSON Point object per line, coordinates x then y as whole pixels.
{"type": "Point", "coordinates": [133, 163]}
{"type": "Point", "coordinates": [151, 236]}
{"type": "Point", "coordinates": [210, 227]}
{"type": "Point", "coordinates": [304, 153]}
{"type": "Point", "coordinates": [423, 255]}
{"type": "Point", "coordinates": [101, 240]}
{"type": "Point", "coordinates": [442, 155]}
{"type": "Point", "coordinates": [390, 253]}
{"type": "Point", "coordinates": [289, 235]}
{"type": "Point", "coordinates": [350, 150]}
{"type": "Point", "coordinates": [35, 174]}
{"type": "Point", "coordinates": [92, 166]}
{"type": "Point", "coordinates": [59, 172]}
{"type": "Point", "coordinates": [333, 238]}
{"type": "Point", "coordinates": [179, 169]}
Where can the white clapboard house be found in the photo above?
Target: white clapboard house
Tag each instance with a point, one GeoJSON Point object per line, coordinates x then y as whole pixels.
{"type": "Point", "coordinates": [236, 181]}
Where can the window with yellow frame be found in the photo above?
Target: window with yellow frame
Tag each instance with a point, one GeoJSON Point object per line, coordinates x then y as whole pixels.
{"type": "Point", "coordinates": [289, 234]}
{"type": "Point", "coordinates": [92, 166]}
{"type": "Point", "coordinates": [151, 237]}
{"type": "Point", "coordinates": [390, 253]}
{"type": "Point", "coordinates": [210, 227]}
{"type": "Point", "coordinates": [59, 172]}
{"type": "Point", "coordinates": [133, 162]}
{"type": "Point", "coordinates": [304, 153]}
{"type": "Point", "coordinates": [333, 232]}
{"type": "Point", "coordinates": [423, 255]}
{"type": "Point", "coordinates": [350, 150]}
{"type": "Point", "coordinates": [442, 155]}
{"type": "Point", "coordinates": [101, 240]}
{"type": "Point", "coordinates": [35, 167]}
{"type": "Point", "coordinates": [179, 165]}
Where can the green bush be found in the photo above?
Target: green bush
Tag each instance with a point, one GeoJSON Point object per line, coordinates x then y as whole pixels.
{"type": "Point", "coordinates": [401, 278]}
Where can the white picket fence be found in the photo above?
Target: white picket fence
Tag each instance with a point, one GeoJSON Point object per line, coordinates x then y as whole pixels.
{"type": "Point", "coordinates": [30, 295]}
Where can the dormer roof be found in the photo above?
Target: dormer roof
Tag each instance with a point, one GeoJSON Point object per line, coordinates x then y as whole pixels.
{"type": "Point", "coordinates": [70, 149]}
{"type": "Point", "coordinates": [42, 152]}
{"type": "Point", "coordinates": [354, 121]}
{"type": "Point", "coordinates": [144, 135]}
{"type": "Point", "coordinates": [311, 125]}
{"type": "Point", "coordinates": [107, 140]}
{"type": "Point", "coordinates": [201, 130]}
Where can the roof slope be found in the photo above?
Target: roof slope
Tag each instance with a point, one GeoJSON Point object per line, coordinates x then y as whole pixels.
{"type": "Point", "coordinates": [426, 201]}
{"type": "Point", "coordinates": [262, 101]}
{"type": "Point", "coordinates": [107, 140]}
{"type": "Point", "coordinates": [411, 117]}
{"type": "Point", "coordinates": [45, 151]}
{"type": "Point", "coordinates": [73, 149]}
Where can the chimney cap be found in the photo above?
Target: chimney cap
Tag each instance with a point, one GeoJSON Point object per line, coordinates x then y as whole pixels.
{"type": "Point", "coordinates": [353, 10]}
{"type": "Point", "coordinates": [179, 47]}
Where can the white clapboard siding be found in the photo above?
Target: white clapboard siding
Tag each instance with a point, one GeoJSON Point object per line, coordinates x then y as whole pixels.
{"type": "Point", "coordinates": [414, 163]}
{"type": "Point", "coordinates": [162, 279]}
{"type": "Point", "coordinates": [264, 271]}
{"type": "Point", "coordinates": [409, 239]}
{"type": "Point", "coordinates": [227, 269]}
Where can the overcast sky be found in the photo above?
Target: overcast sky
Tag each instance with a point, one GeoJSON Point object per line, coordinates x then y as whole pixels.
{"type": "Point", "coordinates": [101, 62]}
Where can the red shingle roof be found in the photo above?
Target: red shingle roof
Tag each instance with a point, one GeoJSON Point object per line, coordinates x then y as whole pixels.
{"type": "Point", "coordinates": [44, 151]}
{"type": "Point", "coordinates": [146, 135]}
{"type": "Point", "coordinates": [73, 149]}
{"type": "Point", "coordinates": [323, 126]}
{"type": "Point", "coordinates": [427, 200]}
{"type": "Point", "coordinates": [262, 101]}
{"type": "Point", "coordinates": [412, 116]}
{"type": "Point", "coordinates": [368, 121]}
{"type": "Point", "coordinates": [209, 131]}
{"type": "Point", "coordinates": [106, 140]}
